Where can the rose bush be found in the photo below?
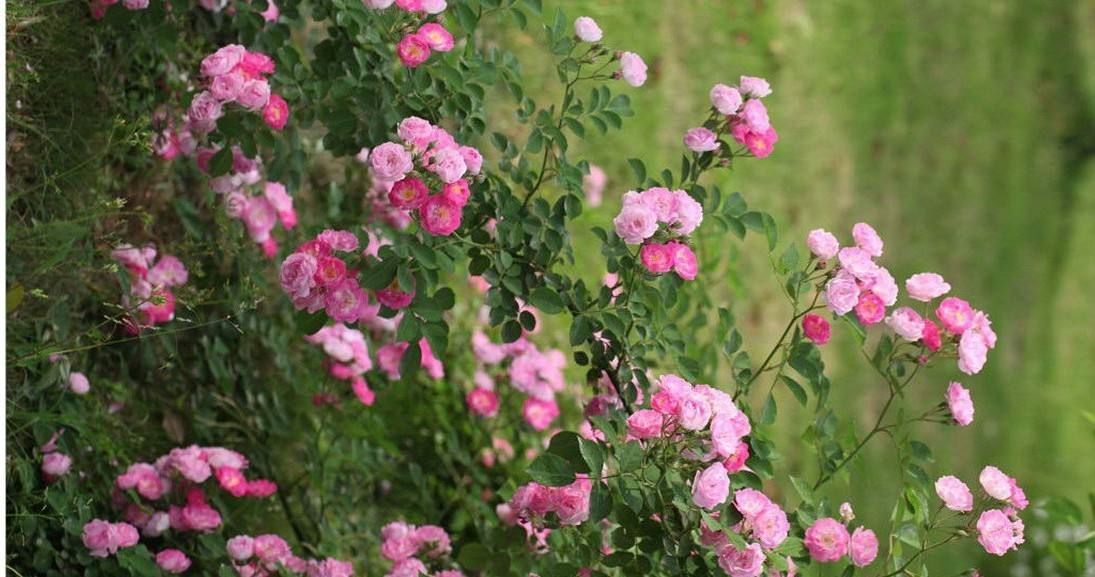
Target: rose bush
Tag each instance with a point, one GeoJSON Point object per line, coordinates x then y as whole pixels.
{"type": "Point", "coordinates": [598, 452]}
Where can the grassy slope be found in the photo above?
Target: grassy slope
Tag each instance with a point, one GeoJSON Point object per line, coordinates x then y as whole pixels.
{"type": "Point", "coordinates": [955, 128]}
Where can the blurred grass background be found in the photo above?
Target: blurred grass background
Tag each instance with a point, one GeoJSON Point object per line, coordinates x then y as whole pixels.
{"type": "Point", "coordinates": [963, 131]}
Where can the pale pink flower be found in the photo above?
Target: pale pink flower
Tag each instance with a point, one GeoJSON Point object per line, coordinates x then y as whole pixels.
{"type": "Point", "coordinates": [725, 99]}
{"type": "Point", "coordinates": [926, 286]}
{"type": "Point", "coordinates": [222, 61]}
{"type": "Point", "coordinates": [632, 69]}
{"type": "Point", "coordinates": [711, 487]}
{"type": "Point", "coordinates": [863, 547]}
{"type": "Point", "coordinates": [689, 213]}
{"type": "Point", "coordinates": [586, 29]}
{"type": "Point", "coordinates": [204, 112]}
{"type": "Point", "coordinates": [842, 293]}
{"type": "Point", "coordinates": [955, 494]}
{"type": "Point", "coordinates": [593, 184]}
{"type": "Point", "coordinates": [972, 352]}
{"type": "Point", "coordinates": [857, 262]}
{"type": "Point", "coordinates": [297, 275]}
{"type": "Point", "coordinates": [241, 547]}
{"type": "Point", "coordinates": [822, 243]}
{"type": "Point", "coordinates": [883, 285]}
{"type": "Point", "coordinates": [867, 239]}
{"type": "Point", "coordinates": [955, 314]}
{"type": "Point", "coordinates": [701, 139]}
{"type": "Point", "coordinates": [390, 162]}
{"type": "Point", "coordinates": [960, 403]}
{"type": "Point", "coordinates": [995, 483]}
{"type": "Point", "coordinates": [755, 116]}
{"type": "Point", "coordinates": [694, 411]}
{"type": "Point", "coordinates": [172, 560]}
{"type": "Point", "coordinates": [539, 413]}
{"type": "Point", "coordinates": [255, 94]}
{"type": "Point", "coordinates": [436, 36]}
{"type": "Point", "coordinates": [747, 562]}
{"type": "Point", "coordinates": [472, 159]}
{"type": "Point", "coordinates": [907, 323]}
{"type": "Point", "coordinates": [227, 86]}
{"type": "Point", "coordinates": [770, 526]}
{"type": "Point", "coordinates": [750, 503]}
{"type": "Point", "coordinates": [636, 223]}
{"type": "Point", "coordinates": [997, 533]}
{"type": "Point", "coordinates": [78, 383]}
{"type": "Point", "coordinates": [645, 424]}
{"type": "Point", "coordinates": [753, 87]}
{"type": "Point", "coordinates": [827, 540]}
{"type": "Point", "coordinates": [55, 465]}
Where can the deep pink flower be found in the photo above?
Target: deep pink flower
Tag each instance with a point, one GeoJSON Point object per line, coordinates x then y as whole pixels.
{"type": "Point", "coordinates": [261, 488]}
{"type": "Point", "coordinates": [657, 258]}
{"type": "Point", "coordinates": [409, 193]}
{"type": "Point", "coordinates": [816, 328]}
{"type": "Point", "coordinates": [413, 50]}
{"type": "Point", "coordinates": [736, 461]}
{"type": "Point", "coordinates": [440, 216]}
{"type": "Point", "coordinates": [827, 540]}
{"type": "Point", "coordinates": [436, 36]}
{"type": "Point", "coordinates": [931, 336]}
{"type": "Point", "coordinates": [362, 391]}
{"type": "Point", "coordinates": [276, 112]}
{"type": "Point", "coordinates": [346, 300]}
{"type": "Point", "coordinates": [231, 480]}
{"type": "Point", "coordinates": [394, 298]}
{"type": "Point", "coordinates": [457, 192]}
{"type": "Point", "coordinates": [955, 314]}
{"type": "Point", "coordinates": [870, 309]}
{"type": "Point", "coordinates": [483, 402]}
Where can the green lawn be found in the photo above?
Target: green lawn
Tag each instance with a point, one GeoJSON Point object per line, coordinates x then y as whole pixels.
{"type": "Point", "coordinates": [961, 130]}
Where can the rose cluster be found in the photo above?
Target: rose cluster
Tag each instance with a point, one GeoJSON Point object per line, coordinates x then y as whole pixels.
{"type": "Point", "coordinates": [829, 540]}
{"type": "Point", "coordinates": [427, 168]}
{"type": "Point", "coordinates": [416, 47]}
{"type": "Point", "coordinates": [173, 482]}
{"type": "Point", "coordinates": [316, 278]}
{"type": "Point", "coordinates": [746, 118]}
{"type": "Point", "coordinates": [533, 502]}
{"type": "Point", "coordinates": [150, 282]}
{"type": "Point", "coordinates": [236, 75]}
{"type": "Point", "coordinates": [535, 373]}
{"type": "Point", "coordinates": [349, 357]}
{"type": "Point", "coordinates": [411, 548]}
{"type": "Point", "coordinates": [270, 555]}
{"type": "Point", "coordinates": [859, 283]}
{"type": "Point", "coordinates": [998, 530]}
{"type": "Point", "coordinates": [661, 220]}
{"type": "Point", "coordinates": [763, 524]}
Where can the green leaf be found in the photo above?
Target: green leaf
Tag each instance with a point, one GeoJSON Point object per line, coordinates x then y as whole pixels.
{"type": "Point", "coordinates": [551, 470]}
{"type": "Point", "coordinates": [474, 557]}
{"type": "Point", "coordinates": [547, 300]}
{"type": "Point", "coordinates": [600, 502]}
{"type": "Point", "coordinates": [594, 455]}
{"type": "Point", "coordinates": [567, 444]}
{"type": "Point", "coordinates": [309, 323]}
{"type": "Point", "coordinates": [380, 275]}
{"type": "Point", "coordinates": [221, 162]}
{"type": "Point", "coordinates": [630, 456]}
{"type": "Point", "coordinates": [639, 169]}
{"type": "Point", "coordinates": [796, 389]}
{"type": "Point", "coordinates": [511, 331]}
{"type": "Point", "coordinates": [768, 413]}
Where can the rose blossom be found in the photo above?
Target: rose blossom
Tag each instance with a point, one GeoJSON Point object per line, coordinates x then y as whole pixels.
{"type": "Point", "coordinates": [457, 192]}
{"type": "Point", "coordinates": [725, 99]}
{"type": "Point", "coordinates": [998, 533]}
{"type": "Point", "coordinates": [711, 486]}
{"type": "Point", "coordinates": [632, 69]}
{"type": "Point", "coordinates": [926, 286]}
{"type": "Point", "coordinates": [255, 94]}
{"type": "Point", "coordinates": [906, 323]}
{"type": "Point", "coordinates": [78, 383]}
{"type": "Point", "coordinates": [689, 213]}
{"type": "Point", "coordinates": [822, 243]}
{"type": "Point", "coordinates": [857, 262]}
{"type": "Point", "coordinates": [870, 309]}
{"type": "Point", "coordinates": [827, 540]}
{"type": "Point", "coordinates": [222, 61]}
{"type": "Point", "coordinates": [754, 87]}
{"type": "Point", "coordinates": [955, 314]}
{"type": "Point", "coordinates": [448, 165]}
{"type": "Point", "coordinates": [439, 216]}
{"type": "Point", "coordinates": [657, 258]}
{"type": "Point", "coordinates": [684, 261]}
{"type": "Point", "coordinates": [204, 112]}
{"type": "Point", "coordinates": [390, 162]}
{"type": "Point", "coordinates": [842, 293]}
{"type": "Point", "coordinates": [55, 465]}
{"type": "Point", "coordinates": [972, 352]}
{"type": "Point", "coordinates": [172, 560]}
{"type": "Point", "coordinates": [747, 562]}
{"type": "Point", "coordinates": [297, 275]}
{"type": "Point", "coordinates": [241, 547]}
{"type": "Point", "coordinates": [955, 494]}
{"type": "Point", "coordinates": [276, 112]}
{"type": "Point", "coordinates": [483, 402]}
{"type": "Point", "coordinates": [770, 526]}
{"type": "Point", "coordinates": [816, 328]}
{"type": "Point", "coordinates": [409, 193]}
{"type": "Point", "coordinates": [755, 116]}
{"type": "Point", "coordinates": [960, 403]}
{"type": "Point", "coordinates": [867, 239]}
{"type": "Point", "coordinates": [645, 424]}
{"type": "Point", "coordinates": [701, 140]}
{"type": "Point", "coordinates": [636, 223]}
{"type": "Point", "coordinates": [539, 413]}
{"type": "Point", "coordinates": [413, 50]}
{"type": "Point", "coordinates": [586, 29]}
{"type": "Point", "coordinates": [995, 483]}
{"type": "Point", "coordinates": [436, 36]}
{"type": "Point", "coordinates": [931, 337]}
{"type": "Point", "coordinates": [863, 547]}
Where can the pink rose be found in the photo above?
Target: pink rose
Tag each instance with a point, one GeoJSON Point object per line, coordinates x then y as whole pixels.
{"type": "Point", "coordinates": [858, 263]}
{"type": "Point", "coordinates": [955, 314]}
{"type": "Point", "coordinates": [960, 403]}
{"type": "Point", "coordinates": [436, 36]}
{"type": "Point", "coordinates": [632, 69]}
{"type": "Point", "coordinates": [297, 275]}
{"type": "Point", "coordinates": [863, 547]}
{"type": "Point", "coordinates": [816, 328]}
{"type": "Point", "coordinates": [231, 480]}
{"type": "Point", "coordinates": [747, 562]}
{"type": "Point", "coordinates": [172, 560]}
{"type": "Point", "coordinates": [390, 162]}
{"type": "Point", "coordinates": [472, 159]}
{"type": "Point", "coordinates": [636, 223]}
{"type": "Point", "coordinates": [870, 309]}
{"type": "Point", "coordinates": [955, 494]}
{"type": "Point", "coordinates": [539, 413]}
{"type": "Point", "coordinates": [822, 243]}
{"type": "Point", "coordinates": [586, 29]}
{"type": "Point", "coordinates": [362, 391]}
{"type": "Point", "coordinates": [684, 261]}
{"type": "Point", "coordinates": [770, 526]}
{"type": "Point", "coordinates": [276, 112]}
{"type": "Point", "coordinates": [694, 412]}
{"type": "Point", "coordinates": [657, 258]}
{"type": "Point", "coordinates": [725, 99]}
{"type": "Point", "coordinates": [645, 424]}
{"type": "Point", "coordinates": [409, 193]}
{"type": "Point", "coordinates": [867, 239]}
{"type": "Point", "coordinates": [448, 165]}
{"type": "Point", "coordinates": [711, 487]}
{"type": "Point", "coordinates": [750, 503]}
{"type": "Point", "coordinates": [270, 549]}
{"type": "Point", "coordinates": [227, 86]}
{"type": "Point", "coordinates": [204, 112]}
{"type": "Point", "coordinates": [827, 540]}
{"type": "Point", "coordinates": [78, 383]}
{"type": "Point", "coordinates": [394, 298]}
{"type": "Point", "coordinates": [883, 285]}
{"type": "Point", "coordinates": [701, 140]}
{"type": "Point", "coordinates": [998, 533]}
{"type": "Point", "coordinates": [241, 547]}
{"type": "Point", "coordinates": [483, 402]}
{"type": "Point", "coordinates": [55, 465]}
{"type": "Point", "coordinates": [995, 483]}
{"type": "Point", "coordinates": [727, 430]}
{"type": "Point", "coordinates": [345, 301]}
{"type": "Point", "coordinates": [842, 293]}
{"type": "Point", "coordinates": [413, 50]}
{"type": "Point", "coordinates": [972, 352]}
{"type": "Point", "coordinates": [926, 286]}
{"type": "Point", "coordinates": [906, 323]}
{"type": "Point", "coordinates": [255, 94]}
{"type": "Point", "coordinates": [457, 192]}
{"type": "Point", "coordinates": [439, 216]}
{"type": "Point", "coordinates": [593, 184]}
{"type": "Point", "coordinates": [755, 116]}
{"type": "Point", "coordinates": [415, 131]}
{"type": "Point", "coordinates": [222, 61]}
{"type": "Point", "coordinates": [931, 337]}
{"type": "Point", "coordinates": [753, 87]}
{"type": "Point", "coordinates": [689, 213]}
